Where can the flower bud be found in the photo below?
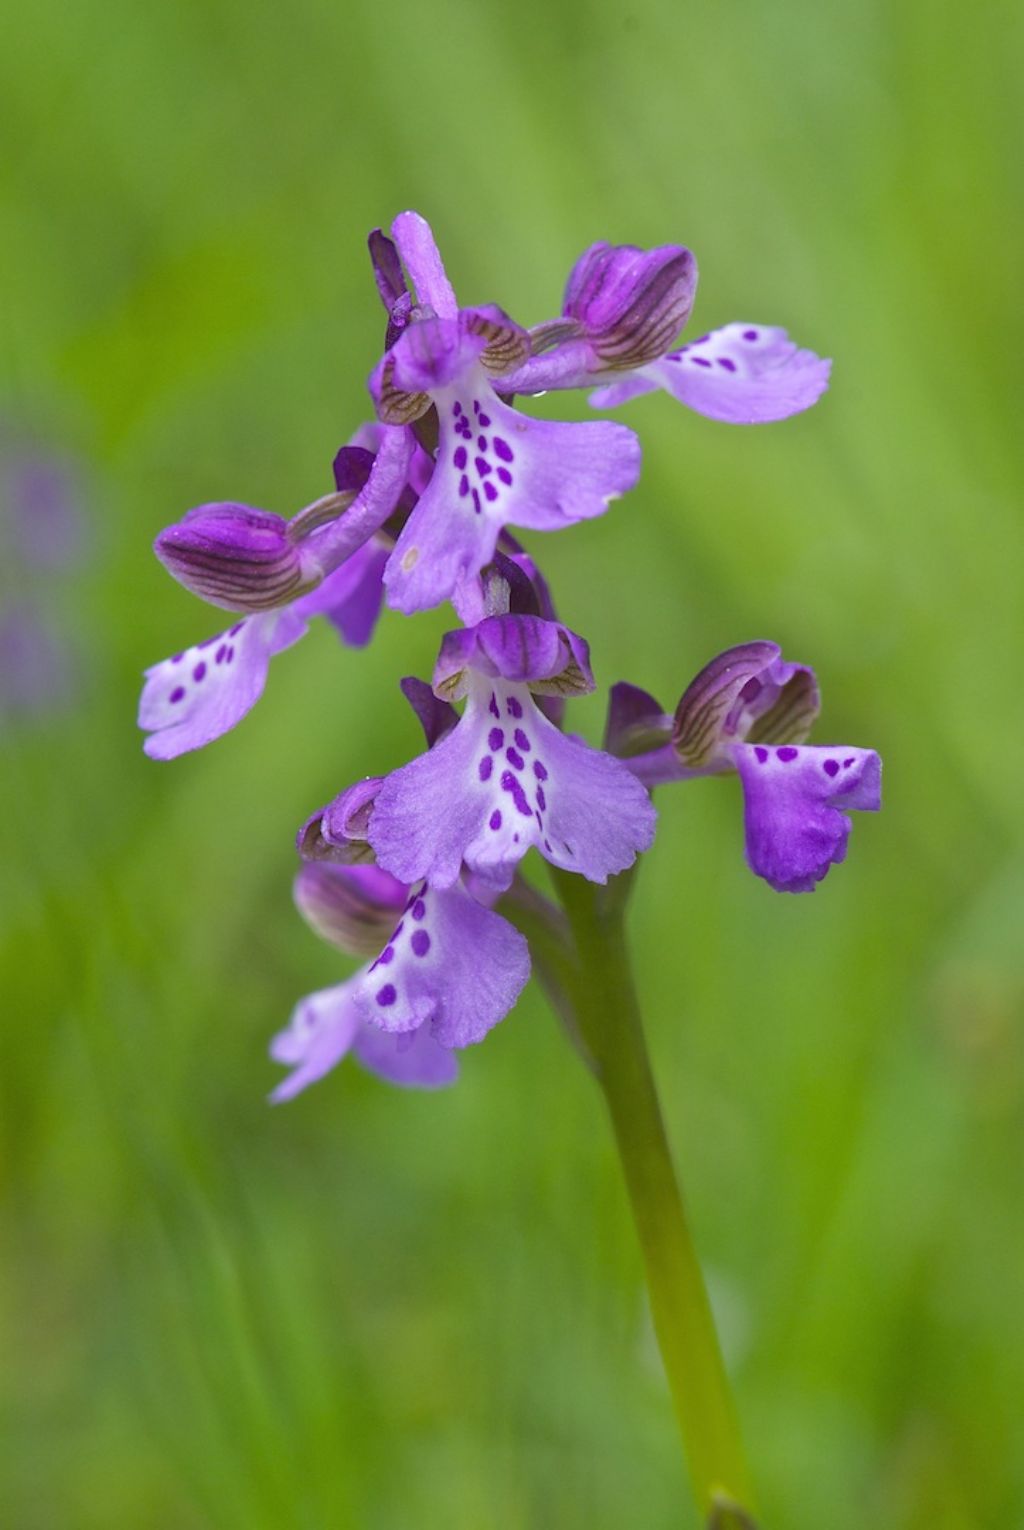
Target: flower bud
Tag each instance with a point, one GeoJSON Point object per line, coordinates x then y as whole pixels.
{"type": "Point", "coordinates": [353, 907]}
{"type": "Point", "coordinates": [629, 303]}
{"type": "Point", "coordinates": [234, 556]}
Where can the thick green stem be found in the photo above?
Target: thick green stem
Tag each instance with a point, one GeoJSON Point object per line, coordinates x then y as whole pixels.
{"type": "Point", "coordinates": [608, 1017]}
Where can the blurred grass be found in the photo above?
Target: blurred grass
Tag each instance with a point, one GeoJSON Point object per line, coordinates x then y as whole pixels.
{"type": "Point", "coordinates": [381, 1311]}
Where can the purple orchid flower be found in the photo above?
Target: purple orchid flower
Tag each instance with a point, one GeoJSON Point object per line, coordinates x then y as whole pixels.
{"type": "Point", "coordinates": [749, 711]}
{"type": "Point", "coordinates": [495, 466]}
{"type": "Point", "coordinates": [505, 778]}
{"type": "Point", "coordinates": [449, 970]}
{"type": "Point", "coordinates": [622, 309]}
{"type": "Point", "coordinates": [280, 574]}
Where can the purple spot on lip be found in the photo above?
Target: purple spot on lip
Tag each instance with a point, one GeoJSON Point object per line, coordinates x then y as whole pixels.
{"type": "Point", "coordinates": [491, 492]}
{"type": "Point", "coordinates": [460, 458]}
{"type": "Point", "coordinates": [482, 466]}
{"type": "Point", "coordinates": [503, 450]}
{"type": "Point", "coordinates": [420, 943]}
{"type": "Point", "coordinates": [786, 754]}
{"type": "Point", "coordinates": [542, 801]}
{"type": "Point", "coordinates": [230, 654]}
{"type": "Point", "coordinates": [386, 957]}
{"type": "Point", "coordinates": [485, 767]}
{"type": "Point", "coordinates": [495, 819]}
{"type": "Point", "coordinates": [831, 767]}
{"type": "Point", "coordinates": [387, 995]}
{"type": "Point", "coordinates": [522, 741]}
{"type": "Point", "coordinates": [515, 758]}
{"type": "Point", "coordinates": [457, 410]}
{"type": "Point", "coordinates": [234, 631]}
{"type": "Point", "coordinates": [730, 366]}
{"type": "Point", "coordinates": [505, 476]}
{"type": "Point", "coordinates": [750, 334]}
{"type": "Point", "coordinates": [761, 753]}
{"type": "Point", "coordinates": [199, 672]}
{"type": "Point", "coordinates": [848, 763]}
{"type": "Point", "coordinates": [177, 658]}
{"type": "Point", "coordinates": [476, 502]}
{"type": "Point", "coordinates": [515, 707]}
{"type": "Point", "coordinates": [419, 908]}
{"type": "Point", "coordinates": [483, 420]}
{"type": "Point", "coordinates": [178, 694]}
{"type": "Point", "coordinates": [218, 657]}
{"type": "Point", "coordinates": [495, 739]}
{"type": "Point", "coordinates": [700, 361]}
{"type": "Point", "coordinates": [481, 442]}
{"type": "Point", "coordinates": [510, 784]}
{"type": "Point", "coordinates": [540, 770]}
{"type": "Point", "coordinates": [463, 486]}
{"type": "Point", "coordinates": [492, 706]}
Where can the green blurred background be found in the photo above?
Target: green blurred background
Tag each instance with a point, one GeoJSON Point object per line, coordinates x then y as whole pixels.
{"type": "Point", "coordinates": [399, 1312]}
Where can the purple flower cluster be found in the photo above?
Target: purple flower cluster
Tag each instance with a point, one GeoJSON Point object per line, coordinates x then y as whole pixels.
{"type": "Point", "coordinates": [407, 871]}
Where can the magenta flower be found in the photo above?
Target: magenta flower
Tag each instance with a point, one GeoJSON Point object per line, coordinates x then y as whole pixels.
{"type": "Point", "coordinates": [748, 711]}
{"type": "Point", "coordinates": [447, 972]}
{"type": "Point", "coordinates": [281, 574]}
{"type": "Point", "coordinates": [506, 778]}
{"type": "Point", "coordinates": [622, 309]}
{"type": "Point", "coordinates": [495, 466]}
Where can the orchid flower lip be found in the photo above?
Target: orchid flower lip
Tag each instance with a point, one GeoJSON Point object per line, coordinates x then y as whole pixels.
{"type": "Point", "coordinates": [503, 780]}
{"type": "Point", "coordinates": [796, 800]}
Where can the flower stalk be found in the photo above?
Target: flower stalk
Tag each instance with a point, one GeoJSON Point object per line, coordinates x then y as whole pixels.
{"type": "Point", "coordinates": [608, 1017]}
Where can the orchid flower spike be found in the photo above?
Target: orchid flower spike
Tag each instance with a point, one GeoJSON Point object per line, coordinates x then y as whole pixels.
{"type": "Point", "coordinates": [748, 711]}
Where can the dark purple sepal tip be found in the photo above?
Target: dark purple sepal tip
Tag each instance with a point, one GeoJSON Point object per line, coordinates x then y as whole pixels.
{"type": "Point", "coordinates": [387, 269]}
{"type": "Point", "coordinates": [437, 718]}
{"type": "Point", "coordinates": [636, 722]}
{"type": "Point", "coordinates": [352, 466]}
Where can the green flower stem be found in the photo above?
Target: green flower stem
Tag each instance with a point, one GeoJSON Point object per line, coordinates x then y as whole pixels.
{"type": "Point", "coordinates": [608, 1018]}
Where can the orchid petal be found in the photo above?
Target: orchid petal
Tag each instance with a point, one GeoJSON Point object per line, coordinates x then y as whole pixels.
{"type": "Point", "coordinates": [418, 249]}
{"type": "Point", "coordinates": [194, 697]}
{"type": "Point", "coordinates": [321, 1030]}
{"type": "Point", "coordinates": [743, 374]}
{"type": "Point", "coordinates": [495, 467]}
{"type": "Point", "coordinates": [449, 962]}
{"type": "Point", "coordinates": [794, 802]}
{"type": "Point", "coordinates": [503, 780]}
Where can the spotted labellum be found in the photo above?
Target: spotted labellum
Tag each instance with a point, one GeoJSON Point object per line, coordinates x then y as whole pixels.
{"type": "Point", "coordinates": [419, 871]}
